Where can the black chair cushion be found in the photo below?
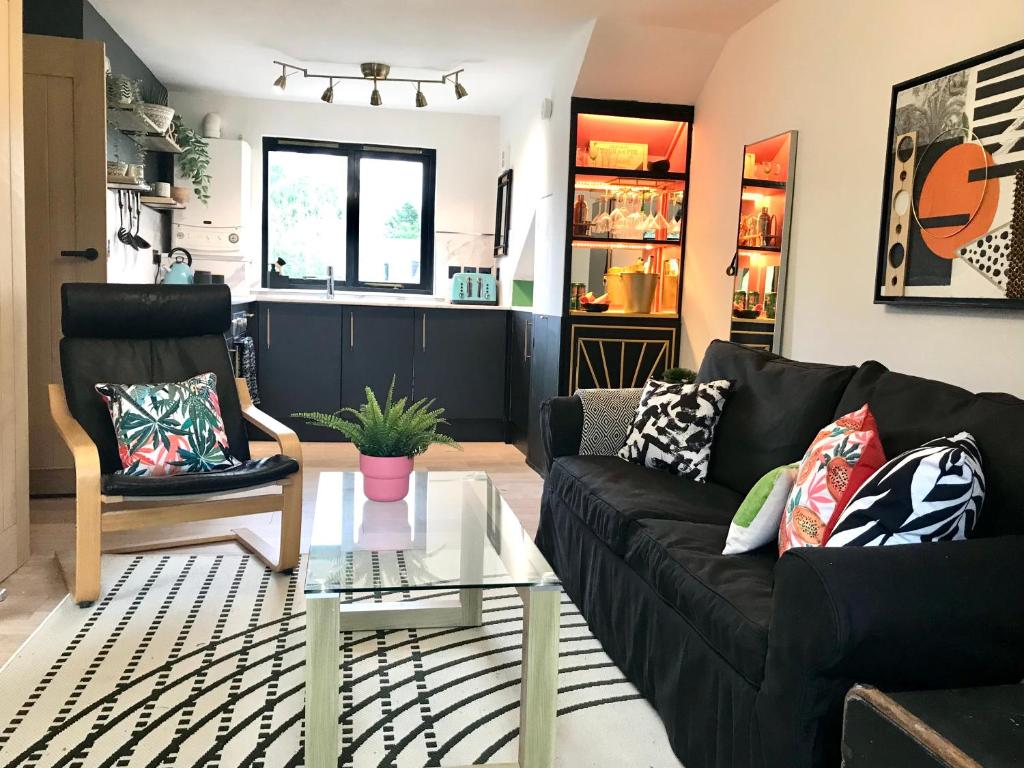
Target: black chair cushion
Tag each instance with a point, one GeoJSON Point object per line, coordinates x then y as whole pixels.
{"type": "Point", "coordinates": [251, 473]}
{"type": "Point", "coordinates": [725, 598]}
{"type": "Point", "coordinates": [610, 495]}
{"type": "Point", "coordinates": [116, 311]}
{"type": "Point", "coordinates": [86, 362]}
{"type": "Point", "coordinates": [774, 410]}
{"type": "Point", "coordinates": [911, 411]}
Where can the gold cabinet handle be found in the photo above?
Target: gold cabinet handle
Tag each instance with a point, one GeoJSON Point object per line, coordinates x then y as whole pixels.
{"type": "Point", "coordinates": [268, 327]}
{"type": "Point", "coordinates": [351, 330]}
{"type": "Point", "coordinates": [529, 338]}
{"type": "Point", "coordinates": [424, 330]}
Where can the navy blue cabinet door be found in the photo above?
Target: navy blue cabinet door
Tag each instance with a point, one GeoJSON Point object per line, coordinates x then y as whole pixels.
{"type": "Point", "coordinates": [376, 345]}
{"type": "Point", "coordinates": [300, 363]}
{"type": "Point", "coordinates": [520, 352]}
{"type": "Point", "coordinates": [459, 358]}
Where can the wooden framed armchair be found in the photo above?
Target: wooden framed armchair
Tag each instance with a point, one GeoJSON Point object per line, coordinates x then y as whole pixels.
{"type": "Point", "coordinates": [134, 334]}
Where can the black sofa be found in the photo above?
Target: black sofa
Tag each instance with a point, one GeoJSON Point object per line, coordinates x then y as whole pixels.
{"type": "Point", "coordinates": [747, 658]}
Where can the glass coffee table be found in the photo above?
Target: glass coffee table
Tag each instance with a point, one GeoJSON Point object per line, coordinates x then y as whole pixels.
{"type": "Point", "coordinates": [453, 532]}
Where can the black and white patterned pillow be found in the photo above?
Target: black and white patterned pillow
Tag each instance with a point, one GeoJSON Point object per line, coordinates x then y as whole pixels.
{"type": "Point", "coordinates": [607, 417]}
{"type": "Point", "coordinates": [674, 426]}
{"type": "Point", "coordinates": [931, 493]}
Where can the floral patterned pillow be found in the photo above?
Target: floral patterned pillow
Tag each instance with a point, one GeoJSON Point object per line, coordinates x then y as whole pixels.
{"type": "Point", "coordinates": [168, 429]}
{"type": "Point", "coordinates": [843, 455]}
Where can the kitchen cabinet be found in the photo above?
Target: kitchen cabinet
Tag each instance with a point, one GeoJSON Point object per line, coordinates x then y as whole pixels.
{"type": "Point", "coordinates": [299, 363]}
{"type": "Point", "coordinates": [520, 351]}
{"type": "Point", "coordinates": [377, 344]}
{"type": "Point", "coordinates": [544, 373]}
{"type": "Point", "coordinates": [459, 360]}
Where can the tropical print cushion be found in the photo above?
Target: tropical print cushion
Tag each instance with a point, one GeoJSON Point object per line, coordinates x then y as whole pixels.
{"type": "Point", "coordinates": [674, 426]}
{"type": "Point", "coordinates": [931, 493]}
{"type": "Point", "coordinates": [841, 458]}
{"type": "Point", "coordinates": [168, 429]}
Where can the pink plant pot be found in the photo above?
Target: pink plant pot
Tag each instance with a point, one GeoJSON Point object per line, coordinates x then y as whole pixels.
{"type": "Point", "coordinates": [385, 478]}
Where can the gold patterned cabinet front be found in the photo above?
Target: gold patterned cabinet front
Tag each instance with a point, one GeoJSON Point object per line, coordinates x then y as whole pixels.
{"type": "Point", "coordinates": [615, 356]}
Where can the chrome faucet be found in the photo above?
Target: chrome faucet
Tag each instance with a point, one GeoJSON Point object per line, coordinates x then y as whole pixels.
{"type": "Point", "coordinates": [330, 282]}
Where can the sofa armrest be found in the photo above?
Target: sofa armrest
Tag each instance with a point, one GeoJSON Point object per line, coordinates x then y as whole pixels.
{"type": "Point", "coordinates": [561, 426]}
{"type": "Point", "coordinates": [918, 616]}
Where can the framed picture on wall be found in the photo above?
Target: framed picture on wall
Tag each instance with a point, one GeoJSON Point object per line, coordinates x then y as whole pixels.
{"type": "Point", "coordinates": [952, 228]}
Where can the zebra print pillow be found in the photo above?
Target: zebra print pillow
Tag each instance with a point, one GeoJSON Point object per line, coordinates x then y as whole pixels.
{"type": "Point", "coordinates": [674, 426]}
{"type": "Point", "coordinates": [931, 493]}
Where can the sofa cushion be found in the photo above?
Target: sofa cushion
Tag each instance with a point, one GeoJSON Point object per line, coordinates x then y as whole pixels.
{"type": "Point", "coordinates": [912, 411]}
{"type": "Point", "coordinates": [775, 409]}
{"type": "Point", "coordinates": [610, 495]}
{"type": "Point", "coordinates": [726, 598]}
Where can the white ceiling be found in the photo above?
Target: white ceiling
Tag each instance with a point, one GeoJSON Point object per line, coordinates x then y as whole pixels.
{"type": "Point", "coordinates": [229, 45]}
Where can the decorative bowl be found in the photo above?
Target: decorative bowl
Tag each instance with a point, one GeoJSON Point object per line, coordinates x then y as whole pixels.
{"type": "Point", "coordinates": [159, 115]}
{"type": "Point", "coordinates": [595, 307]}
{"type": "Point", "coordinates": [746, 314]}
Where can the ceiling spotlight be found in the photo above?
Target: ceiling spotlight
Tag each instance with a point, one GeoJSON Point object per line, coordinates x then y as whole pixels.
{"type": "Point", "coordinates": [375, 99]}
{"type": "Point", "coordinates": [421, 100]}
{"type": "Point", "coordinates": [460, 89]}
{"type": "Point", "coordinates": [328, 94]}
{"type": "Point", "coordinates": [282, 80]}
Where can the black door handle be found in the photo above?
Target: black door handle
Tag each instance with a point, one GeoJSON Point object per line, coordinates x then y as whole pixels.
{"type": "Point", "coordinates": [89, 254]}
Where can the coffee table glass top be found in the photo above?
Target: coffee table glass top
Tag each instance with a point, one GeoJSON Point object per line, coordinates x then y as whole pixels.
{"type": "Point", "coordinates": [452, 531]}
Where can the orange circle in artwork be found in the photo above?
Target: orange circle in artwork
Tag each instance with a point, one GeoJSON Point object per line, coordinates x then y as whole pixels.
{"type": "Point", "coordinates": [948, 192]}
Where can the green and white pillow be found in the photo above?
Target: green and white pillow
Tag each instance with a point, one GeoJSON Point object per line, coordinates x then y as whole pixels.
{"type": "Point", "coordinates": [756, 522]}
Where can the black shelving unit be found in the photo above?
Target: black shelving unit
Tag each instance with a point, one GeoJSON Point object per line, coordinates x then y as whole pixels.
{"type": "Point", "coordinates": [590, 170]}
{"type": "Point", "coordinates": [611, 242]}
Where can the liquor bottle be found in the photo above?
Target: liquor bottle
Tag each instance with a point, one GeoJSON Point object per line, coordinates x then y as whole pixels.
{"type": "Point", "coordinates": [580, 216]}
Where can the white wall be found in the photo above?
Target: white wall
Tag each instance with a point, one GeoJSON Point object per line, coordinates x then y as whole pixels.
{"type": "Point", "coordinates": [826, 68]}
{"type": "Point", "coordinates": [467, 152]}
{"type": "Point", "coordinates": [539, 151]}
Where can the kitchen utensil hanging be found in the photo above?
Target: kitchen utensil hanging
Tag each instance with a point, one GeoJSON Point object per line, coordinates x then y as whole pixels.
{"type": "Point", "coordinates": [123, 234]}
{"type": "Point", "coordinates": [140, 242]}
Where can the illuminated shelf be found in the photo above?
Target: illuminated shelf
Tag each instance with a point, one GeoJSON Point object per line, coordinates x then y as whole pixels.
{"type": "Point", "coordinates": [619, 314]}
{"type": "Point", "coordinates": [622, 173]}
{"type": "Point", "coordinates": [762, 248]}
{"type": "Point", "coordinates": [587, 241]}
{"type": "Point", "coordinates": [764, 183]}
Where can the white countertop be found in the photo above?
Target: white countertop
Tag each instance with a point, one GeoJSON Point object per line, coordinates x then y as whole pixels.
{"type": "Point", "coordinates": [353, 298]}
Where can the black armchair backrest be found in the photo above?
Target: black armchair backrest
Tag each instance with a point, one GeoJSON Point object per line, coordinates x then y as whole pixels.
{"type": "Point", "coordinates": [138, 334]}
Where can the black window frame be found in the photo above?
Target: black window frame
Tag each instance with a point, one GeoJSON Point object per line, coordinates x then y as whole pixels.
{"type": "Point", "coordinates": [356, 152]}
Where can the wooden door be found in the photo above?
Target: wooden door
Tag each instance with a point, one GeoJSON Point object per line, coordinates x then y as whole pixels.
{"type": "Point", "coordinates": [65, 211]}
{"type": "Point", "coordinates": [13, 384]}
{"type": "Point", "coordinates": [460, 361]}
{"type": "Point", "coordinates": [377, 345]}
{"type": "Point", "coordinates": [300, 363]}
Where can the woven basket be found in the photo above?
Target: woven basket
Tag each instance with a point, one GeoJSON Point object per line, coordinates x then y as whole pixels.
{"type": "Point", "coordinates": [157, 114]}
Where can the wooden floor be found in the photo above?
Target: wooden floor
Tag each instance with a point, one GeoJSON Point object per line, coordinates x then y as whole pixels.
{"type": "Point", "coordinates": [35, 589]}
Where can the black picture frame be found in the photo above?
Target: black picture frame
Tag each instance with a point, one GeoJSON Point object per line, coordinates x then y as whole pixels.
{"type": "Point", "coordinates": [988, 138]}
{"type": "Point", "coordinates": [502, 214]}
{"type": "Point", "coordinates": [426, 156]}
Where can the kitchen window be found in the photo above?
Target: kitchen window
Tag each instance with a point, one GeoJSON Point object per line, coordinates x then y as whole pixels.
{"type": "Point", "coordinates": [367, 212]}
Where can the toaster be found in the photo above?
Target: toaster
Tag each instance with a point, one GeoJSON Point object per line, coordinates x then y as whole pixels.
{"type": "Point", "coordinates": [474, 288]}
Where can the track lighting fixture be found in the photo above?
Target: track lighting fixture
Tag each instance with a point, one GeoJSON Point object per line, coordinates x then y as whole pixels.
{"type": "Point", "coordinates": [282, 80]}
{"type": "Point", "coordinates": [328, 95]}
{"type": "Point", "coordinates": [460, 89]}
{"type": "Point", "coordinates": [375, 72]}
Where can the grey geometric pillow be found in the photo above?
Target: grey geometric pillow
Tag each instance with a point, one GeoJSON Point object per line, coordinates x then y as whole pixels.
{"type": "Point", "coordinates": [674, 427]}
{"type": "Point", "coordinates": [607, 416]}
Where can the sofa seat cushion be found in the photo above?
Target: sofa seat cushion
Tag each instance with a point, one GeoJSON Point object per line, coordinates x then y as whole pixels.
{"type": "Point", "coordinates": [247, 475]}
{"type": "Point", "coordinates": [610, 495]}
{"type": "Point", "coordinates": [726, 598]}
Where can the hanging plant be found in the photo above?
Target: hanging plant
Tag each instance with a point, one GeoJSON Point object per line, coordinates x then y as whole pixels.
{"type": "Point", "coordinates": [194, 160]}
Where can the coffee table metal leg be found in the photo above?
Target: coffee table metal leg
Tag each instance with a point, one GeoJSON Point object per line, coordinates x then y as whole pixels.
{"type": "Point", "coordinates": [539, 696]}
{"type": "Point", "coordinates": [322, 681]}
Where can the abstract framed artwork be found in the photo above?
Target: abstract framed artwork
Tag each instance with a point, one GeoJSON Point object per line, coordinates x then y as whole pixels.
{"type": "Point", "coordinates": [952, 228]}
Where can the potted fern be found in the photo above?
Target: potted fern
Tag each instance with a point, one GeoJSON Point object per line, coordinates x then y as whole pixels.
{"type": "Point", "coordinates": [388, 439]}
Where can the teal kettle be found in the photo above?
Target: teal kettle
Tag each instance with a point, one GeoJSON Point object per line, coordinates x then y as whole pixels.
{"type": "Point", "coordinates": [180, 271]}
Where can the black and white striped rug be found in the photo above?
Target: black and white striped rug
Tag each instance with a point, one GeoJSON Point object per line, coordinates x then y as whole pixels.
{"type": "Point", "coordinates": [198, 660]}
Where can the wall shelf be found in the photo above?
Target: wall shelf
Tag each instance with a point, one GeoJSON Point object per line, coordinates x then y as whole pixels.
{"type": "Point", "coordinates": [587, 241]}
{"type": "Point", "coordinates": [161, 203]}
{"type": "Point", "coordinates": [764, 183]}
{"type": "Point", "coordinates": [761, 248]}
{"type": "Point", "coordinates": [127, 187]}
{"type": "Point", "coordinates": [140, 129]}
